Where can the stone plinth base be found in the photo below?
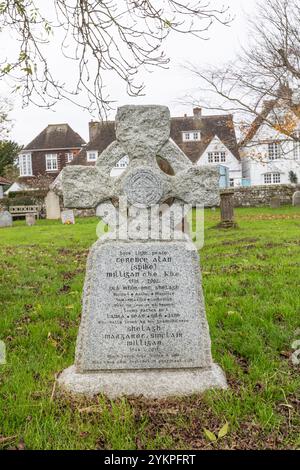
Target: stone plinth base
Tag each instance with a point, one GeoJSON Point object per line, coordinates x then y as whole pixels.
{"type": "Point", "coordinates": [227, 224]}
{"type": "Point", "coordinates": [149, 383]}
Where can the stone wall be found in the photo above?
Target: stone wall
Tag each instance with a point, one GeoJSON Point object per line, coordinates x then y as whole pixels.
{"type": "Point", "coordinates": [256, 196]}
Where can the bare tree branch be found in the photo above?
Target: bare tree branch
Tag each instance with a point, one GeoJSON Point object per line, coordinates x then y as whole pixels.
{"type": "Point", "coordinates": [265, 72]}
{"type": "Point", "coordinates": [107, 39]}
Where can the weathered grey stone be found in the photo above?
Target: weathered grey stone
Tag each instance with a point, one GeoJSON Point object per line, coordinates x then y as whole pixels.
{"type": "Point", "coordinates": [143, 301]}
{"type": "Point", "coordinates": [227, 210]}
{"type": "Point", "coordinates": [143, 328]}
{"type": "Point", "coordinates": [56, 185]}
{"type": "Point", "coordinates": [259, 196]}
{"type": "Point", "coordinates": [6, 219]}
{"type": "Point", "coordinates": [52, 206]}
{"type": "Point", "coordinates": [67, 217]}
{"type": "Point", "coordinates": [142, 130]}
{"type": "Point", "coordinates": [149, 383]}
{"type": "Point", "coordinates": [275, 202]}
{"type": "Point", "coordinates": [30, 219]}
{"type": "Point", "coordinates": [296, 198]}
{"type": "Point", "coordinates": [86, 187]}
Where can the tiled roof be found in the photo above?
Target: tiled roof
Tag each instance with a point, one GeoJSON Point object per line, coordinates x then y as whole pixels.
{"type": "Point", "coordinates": [4, 181]}
{"type": "Point", "coordinates": [56, 136]}
{"type": "Point", "coordinates": [209, 126]}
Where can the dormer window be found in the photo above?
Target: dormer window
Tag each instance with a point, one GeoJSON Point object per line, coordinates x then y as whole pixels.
{"type": "Point", "coordinates": [92, 155]}
{"type": "Point", "coordinates": [191, 136]}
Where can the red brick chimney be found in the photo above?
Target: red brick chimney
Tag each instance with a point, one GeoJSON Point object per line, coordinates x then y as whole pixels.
{"type": "Point", "coordinates": [197, 112]}
{"type": "Point", "coordinates": [94, 129]}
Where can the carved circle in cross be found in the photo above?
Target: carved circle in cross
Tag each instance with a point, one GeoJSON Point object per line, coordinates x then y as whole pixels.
{"type": "Point", "coordinates": [143, 187]}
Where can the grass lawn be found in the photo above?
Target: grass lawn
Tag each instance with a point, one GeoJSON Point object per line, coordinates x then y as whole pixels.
{"type": "Point", "coordinates": [251, 280]}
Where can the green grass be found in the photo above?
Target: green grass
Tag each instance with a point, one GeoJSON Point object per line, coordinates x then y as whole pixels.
{"type": "Point", "coordinates": [251, 280]}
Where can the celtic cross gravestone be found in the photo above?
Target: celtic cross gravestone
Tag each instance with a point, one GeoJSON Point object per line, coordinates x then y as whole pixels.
{"type": "Point", "coordinates": [143, 328]}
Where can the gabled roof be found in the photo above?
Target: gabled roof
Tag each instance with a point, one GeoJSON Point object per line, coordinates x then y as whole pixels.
{"type": "Point", "coordinates": [209, 127]}
{"type": "Point", "coordinates": [258, 121]}
{"type": "Point", "coordinates": [56, 136]}
{"type": "Point", "coordinates": [284, 94]}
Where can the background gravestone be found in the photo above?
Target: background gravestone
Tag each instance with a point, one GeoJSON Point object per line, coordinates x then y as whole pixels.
{"type": "Point", "coordinates": [275, 202]}
{"type": "Point", "coordinates": [30, 219]}
{"type": "Point", "coordinates": [227, 209]}
{"type": "Point", "coordinates": [6, 219]}
{"type": "Point", "coordinates": [296, 198]}
{"type": "Point", "coordinates": [67, 217]}
{"type": "Point", "coordinates": [52, 206]}
{"type": "Point", "coordinates": [143, 328]}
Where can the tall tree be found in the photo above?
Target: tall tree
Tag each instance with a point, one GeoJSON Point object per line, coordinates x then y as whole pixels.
{"type": "Point", "coordinates": [106, 39]}
{"type": "Point", "coordinates": [8, 154]}
{"type": "Point", "coordinates": [265, 71]}
{"type": "Point", "coordinates": [5, 107]}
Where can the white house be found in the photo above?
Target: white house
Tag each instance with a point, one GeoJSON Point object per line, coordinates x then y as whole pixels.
{"type": "Point", "coordinates": [270, 155]}
{"type": "Point", "coordinates": [217, 153]}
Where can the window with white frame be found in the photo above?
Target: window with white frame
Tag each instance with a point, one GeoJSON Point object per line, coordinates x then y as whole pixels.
{"type": "Point", "coordinates": [296, 145]}
{"type": "Point", "coordinates": [231, 182]}
{"type": "Point", "coordinates": [274, 150]}
{"type": "Point", "coordinates": [268, 178]}
{"type": "Point", "coordinates": [51, 162]}
{"type": "Point", "coordinates": [216, 157]}
{"type": "Point", "coordinates": [190, 136]}
{"type": "Point", "coordinates": [276, 178]}
{"type": "Point", "coordinates": [272, 178]}
{"type": "Point", "coordinates": [92, 155]}
{"type": "Point", "coordinates": [123, 163]}
{"type": "Point", "coordinates": [69, 157]}
{"type": "Point", "coordinates": [25, 164]}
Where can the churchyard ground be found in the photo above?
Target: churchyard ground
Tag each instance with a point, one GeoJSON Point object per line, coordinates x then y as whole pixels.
{"type": "Point", "coordinates": [251, 281]}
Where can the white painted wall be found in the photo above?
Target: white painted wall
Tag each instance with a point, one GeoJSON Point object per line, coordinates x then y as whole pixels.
{"type": "Point", "coordinates": [232, 163]}
{"type": "Point", "coordinates": [256, 162]}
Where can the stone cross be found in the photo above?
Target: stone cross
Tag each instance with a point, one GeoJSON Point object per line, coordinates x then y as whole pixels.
{"type": "Point", "coordinates": [143, 328]}
{"type": "Point", "coordinates": [143, 133]}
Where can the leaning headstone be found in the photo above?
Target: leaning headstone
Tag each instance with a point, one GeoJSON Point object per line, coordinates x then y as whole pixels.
{"type": "Point", "coordinates": [275, 202]}
{"type": "Point", "coordinates": [67, 217]}
{"type": "Point", "coordinates": [52, 206]}
{"type": "Point", "coordinates": [30, 219]}
{"type": "Point", "coordinates": [143, 327]}
{"type": "Point", "coordinates": [296, 198]}
{"type": "Point", "coordinates": [227, 210]}
{"type": "Point", "coordinates": [6, 219]}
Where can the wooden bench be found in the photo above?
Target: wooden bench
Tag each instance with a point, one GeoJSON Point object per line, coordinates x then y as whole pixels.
{"type": "Point", "coordinates": [18, 211]}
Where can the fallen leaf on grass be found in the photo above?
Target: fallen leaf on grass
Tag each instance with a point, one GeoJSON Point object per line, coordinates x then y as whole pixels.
{"type": "Point", "coordinates": [223, 431]}
{"type": "Point", "coordinates": [210, 435]}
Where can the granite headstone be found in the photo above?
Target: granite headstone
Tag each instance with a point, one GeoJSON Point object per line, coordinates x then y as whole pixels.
{"type": "Point", "coordinates": [30, 219]}
{"type": "Point", "coordinates": [6, 219]}
{"type": "Point", "coordinates": [67, 217]}
{"type": "Point", "coordinates": [143, 327]}
{"type": "Point", "coordinates": [296, 198]}
{"type": "Point", "coordinates": [52, 206]}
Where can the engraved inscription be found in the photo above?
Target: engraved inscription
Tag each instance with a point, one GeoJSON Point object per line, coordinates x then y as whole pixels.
{"type": "Point", "coordinates": [145, 313]}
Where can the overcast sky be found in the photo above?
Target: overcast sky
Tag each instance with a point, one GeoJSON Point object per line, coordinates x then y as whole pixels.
{"type": "Point", "coordinates": [162, 86]}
